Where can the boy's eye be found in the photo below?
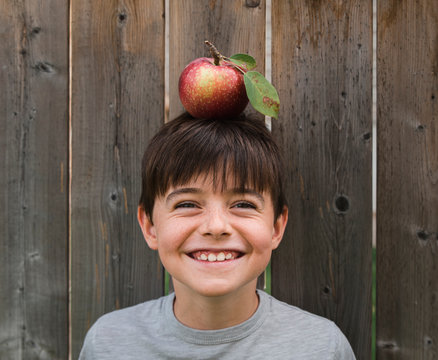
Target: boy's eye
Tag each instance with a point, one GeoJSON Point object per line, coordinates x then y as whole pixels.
{"type": "Point", "coordinates": [245, 205]}
{"type": "Point", "coordinates": [185, 205]}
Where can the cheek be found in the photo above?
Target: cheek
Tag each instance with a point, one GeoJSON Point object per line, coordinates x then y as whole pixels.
{"type": "Point", "coordinates": [259, 235]}
{"type": "Point", "coordinates": [171, 236]}
{"type": "Point", "coordinates": [167, 240]}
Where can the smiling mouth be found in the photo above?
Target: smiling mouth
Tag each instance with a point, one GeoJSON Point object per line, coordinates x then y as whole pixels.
{"type": "Point", "coordinates": [215, 256]}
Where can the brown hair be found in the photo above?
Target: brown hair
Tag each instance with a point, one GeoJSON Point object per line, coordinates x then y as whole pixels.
{"type": "Point", "coordinates": [186, 148]}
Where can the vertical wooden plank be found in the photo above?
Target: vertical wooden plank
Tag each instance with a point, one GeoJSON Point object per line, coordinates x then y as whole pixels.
{"type": "Point", "coordinates": [236, 26]}
{"type": "Point", "coordinates": [407, 197]}
{"type": "Point", "coordinates": [33, 179]}
{"type": "Point", "coordinates": [117, 105]}
{"type": "Point", "coordinates": [321, 66]}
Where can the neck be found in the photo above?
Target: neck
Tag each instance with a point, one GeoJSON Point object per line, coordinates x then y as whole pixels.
{"type": "Point", "coordinates": [214, 312]}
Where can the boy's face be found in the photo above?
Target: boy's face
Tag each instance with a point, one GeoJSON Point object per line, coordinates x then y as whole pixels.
{"type": "Point", "coordinates": [213, 243]}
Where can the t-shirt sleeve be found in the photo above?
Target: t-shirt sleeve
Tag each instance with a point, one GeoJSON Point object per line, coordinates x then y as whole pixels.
{"type": "Point", "coordinates": [343, 350]}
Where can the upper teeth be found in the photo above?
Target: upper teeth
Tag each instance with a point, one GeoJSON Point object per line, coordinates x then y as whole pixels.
{"type": "Point", "coordinates": [220, 257]}
{"type": "Point", "coordinates": [213, 257]}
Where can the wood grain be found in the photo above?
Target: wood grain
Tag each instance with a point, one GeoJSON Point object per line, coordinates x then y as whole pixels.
{"type": "Point", "coordinates": [233, 26]}
{"type": "Point", "coordinates": [117, 105]}
{"type": "Point", "coordinates": [322, 68]}
{"type": "Point", "coordinates": [33, 179]}
{"type": "Point", "coordinates": [407, 197]}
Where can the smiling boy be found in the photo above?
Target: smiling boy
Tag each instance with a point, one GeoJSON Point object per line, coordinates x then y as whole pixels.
{"type": "Point", "coordinates": [212, 204]}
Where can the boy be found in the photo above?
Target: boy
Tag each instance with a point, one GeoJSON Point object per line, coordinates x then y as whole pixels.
{"type": "Point", "coordinates": [212, 204]}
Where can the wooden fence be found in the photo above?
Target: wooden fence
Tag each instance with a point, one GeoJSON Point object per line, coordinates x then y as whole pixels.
{"type": "Point", "coordinates": [83, 89]}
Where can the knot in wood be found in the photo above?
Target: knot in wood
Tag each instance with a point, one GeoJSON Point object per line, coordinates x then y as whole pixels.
{"type": "Point", "coordinates": [341, 204]}
{"type": "Point", "coordinates": [35, 31]}
{"type": "Point", "coordinates": [252, 3]}
{"type": "Point", "coordinates": [122, 17]}
{"type": "Point", "coordinates": [44, 67]}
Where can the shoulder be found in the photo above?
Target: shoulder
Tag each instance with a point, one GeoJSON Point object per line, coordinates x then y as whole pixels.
{"type": "Point", "coordinates": [282, 312]}
{"type": "Point", "coordinates": [123, 327]}
{"type": "Point", "coordinates": [307, 333]}
{"type": "Point", "coordinates": [133, 314]}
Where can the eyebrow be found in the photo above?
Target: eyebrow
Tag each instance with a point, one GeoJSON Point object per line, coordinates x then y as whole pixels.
{"type": "Point", "coordinates": [177, 192]}
{"type": "Point", "coordinates": [248, 191]}
{"type": "Point", "coordinates": [180, 191]}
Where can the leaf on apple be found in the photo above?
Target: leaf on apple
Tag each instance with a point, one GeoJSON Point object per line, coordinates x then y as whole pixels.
{"type": "Point", "coordinates": [261, 94]}
{"type": "Point", "coordinates": [243, 60]}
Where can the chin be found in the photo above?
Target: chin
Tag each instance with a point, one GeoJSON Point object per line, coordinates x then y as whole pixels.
{"type": "Point", "coordinates": [215, 292]}
{"type": "Point", "coordinates": [207, 287]}
{"type": "Point", "coordinates": [214, 289]}
{"type": "Point", "coordinates": [210, 288]}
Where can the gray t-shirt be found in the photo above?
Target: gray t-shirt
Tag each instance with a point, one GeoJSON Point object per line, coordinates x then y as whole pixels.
{"type": "Point", "coordinates": [275, 331]}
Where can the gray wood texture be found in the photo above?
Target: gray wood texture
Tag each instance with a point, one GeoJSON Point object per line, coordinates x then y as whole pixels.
{"type": "Point", "coordinates": [322, 68]}
{"type": "Point", "coordinates": [407, 193]}
{"type": "Point", "coordinates": [117, 105]}
{"type": "Point", "coordinates": [33, 179]}
{"type": "Point", "coordinates": [232, 26]}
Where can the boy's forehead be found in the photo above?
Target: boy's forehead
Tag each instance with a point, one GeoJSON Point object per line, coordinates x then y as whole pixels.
{"type": "Point", "coordinates": [207, 183]}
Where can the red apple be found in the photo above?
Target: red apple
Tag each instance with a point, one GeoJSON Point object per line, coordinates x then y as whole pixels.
{"type": "Point", "coordinates": [210, 91]}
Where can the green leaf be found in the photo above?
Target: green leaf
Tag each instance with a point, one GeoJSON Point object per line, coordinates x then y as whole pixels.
{"type": "Point", "coordinates": [243, 60]}
{"type": "Point", "coordinates": [261, 94]}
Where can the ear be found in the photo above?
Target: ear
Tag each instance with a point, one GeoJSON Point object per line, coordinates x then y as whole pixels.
{"type": "Point", "coordinates": [148, 228]}
{"type": "Point", "coordinates": [279, 227]}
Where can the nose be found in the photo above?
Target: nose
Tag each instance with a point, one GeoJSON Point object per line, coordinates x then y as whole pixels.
{"type": "Point", "coordinates": [216, 223]}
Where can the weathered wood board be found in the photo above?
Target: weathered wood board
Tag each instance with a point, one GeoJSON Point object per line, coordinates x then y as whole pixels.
{"type": "Point", "coordinates": [407, 187]}
{"type": "Point", "coordinates": [33, 179]}
{"type": "Point", "coordinates": [117, 105]}
{"type": "Point", "coordinates": [322, 68]}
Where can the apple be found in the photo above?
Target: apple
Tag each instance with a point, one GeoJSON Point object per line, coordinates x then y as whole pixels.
{"type": "Point", "coordinates": [210, 91]}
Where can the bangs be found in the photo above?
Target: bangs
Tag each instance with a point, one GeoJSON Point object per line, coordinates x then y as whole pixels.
{"type": "Point", "coordinates": [234, 153]}
{"type": "Point", "coordinates": [225, 160]}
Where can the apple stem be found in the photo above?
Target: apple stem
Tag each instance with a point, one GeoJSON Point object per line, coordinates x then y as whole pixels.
{"type": "Point", "coordinates": [214, 52]}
